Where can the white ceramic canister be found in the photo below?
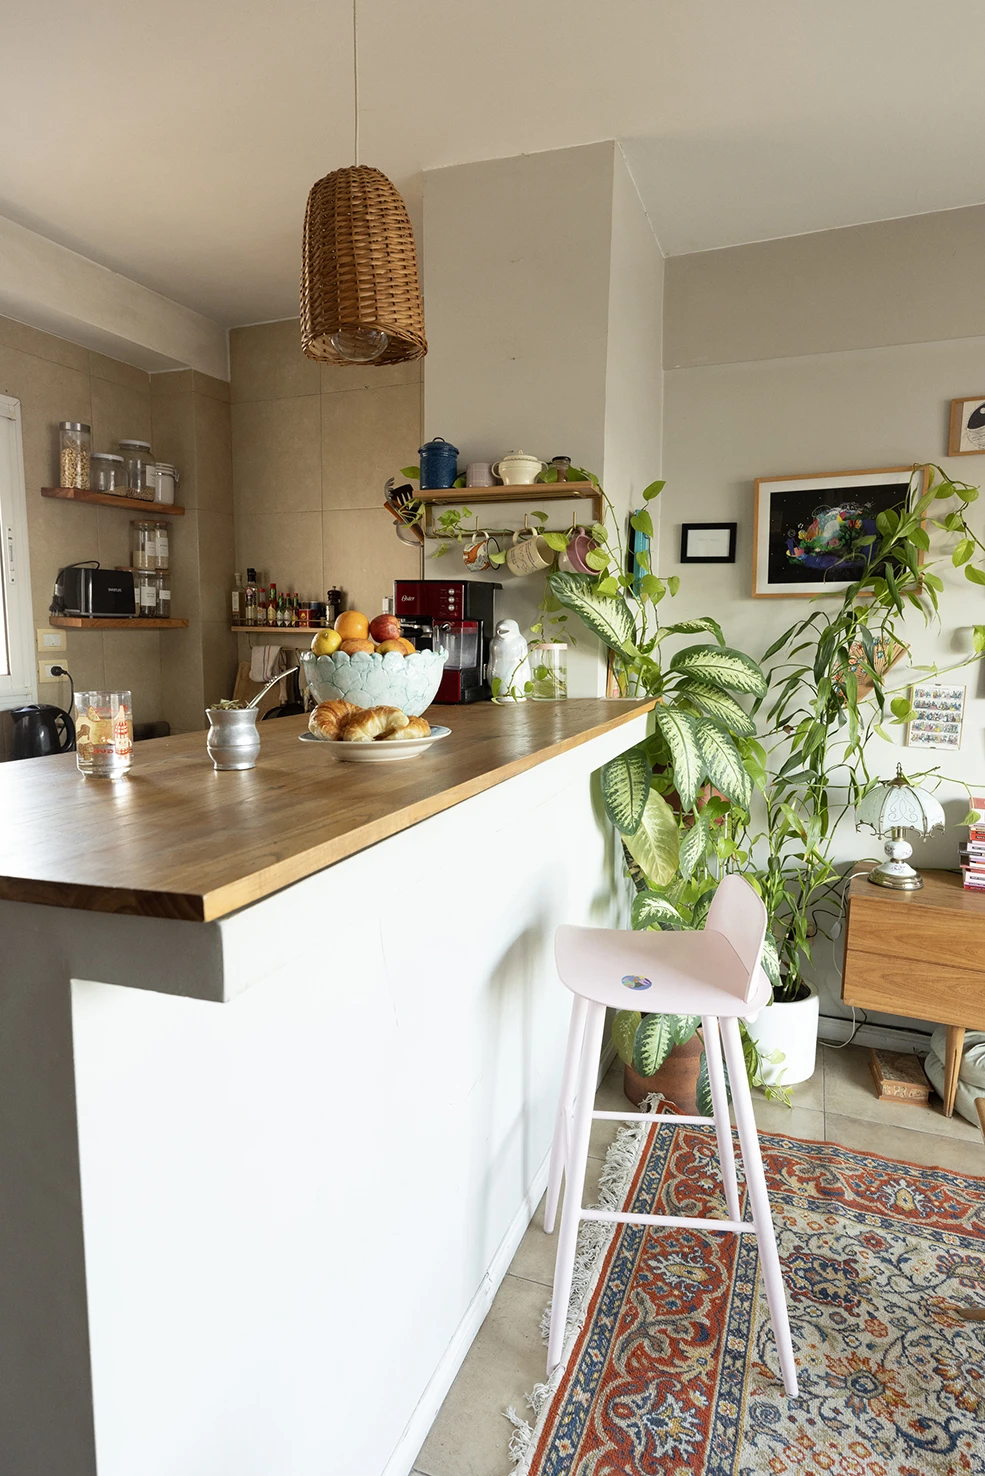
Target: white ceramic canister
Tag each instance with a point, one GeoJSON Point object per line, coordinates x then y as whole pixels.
{"type": "Point", "coordinates": [164, 480]}
{"type": "Point", "coordinates": [518, 469]}
{"type": "Point", "coordinates": [508, 663]}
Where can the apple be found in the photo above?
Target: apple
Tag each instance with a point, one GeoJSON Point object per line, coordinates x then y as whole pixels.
{"type": "Point", "coordinates": [385, 628]}
{"type": "Point", "coordinates": [407, 646]}
{"type": "Point", "coordinates": [393, 645]}
{"type": "Point", "coordinates": [351, 647]}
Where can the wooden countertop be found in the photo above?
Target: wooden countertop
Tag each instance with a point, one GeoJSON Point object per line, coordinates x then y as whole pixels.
{"type": "Point", "coordinates": [176, 839]}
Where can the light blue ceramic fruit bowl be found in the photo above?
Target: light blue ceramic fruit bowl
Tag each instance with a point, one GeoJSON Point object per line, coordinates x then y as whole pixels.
{"type": "Point", "coordinates": [371, 680]}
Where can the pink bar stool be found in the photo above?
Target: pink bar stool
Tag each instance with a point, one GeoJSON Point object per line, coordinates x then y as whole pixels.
{"type": "Point", "coordinates": [714, 973]}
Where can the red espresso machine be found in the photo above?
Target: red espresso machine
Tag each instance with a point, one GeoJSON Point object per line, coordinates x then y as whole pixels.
{"type": "Point", "coordinates": [456, 614]}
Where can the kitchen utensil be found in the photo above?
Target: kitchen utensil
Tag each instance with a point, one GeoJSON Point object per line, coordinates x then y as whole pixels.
{"type": "Point", "coordinates": [530, 553]}
{"type": "Point", "coordinates": [41, 730]}
{"type": "Point", "coordinates": [509, 668]}
{"type": "Point", "coordinates": [476, 555]}
{"type": "Point", "coordinates": [572, 559]}
{"type": "Point", "coordinates": [479, 474]}
{"type": "Point", "coordinates": [104, 734]}
{"type": "Point", "coordinates": [439, 464]}
{"type": "Point", "coordinates": [232, 740]}
{"type": "Point", "coordinates": [272, 683]}
{"type": "Point", "coordinates": [376, 753]}
{"type": "Point", "coordinates": [518, 469]}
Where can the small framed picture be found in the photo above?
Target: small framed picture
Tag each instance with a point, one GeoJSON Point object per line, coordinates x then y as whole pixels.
{"type": "Point", "coordinates": [708, 543]}
{"type": "Point", "coordinates": [813, 533]}
{"type": "Point", "coordinates": [967, 437]}
{"type": "Point", "coordinates": [940, 712]}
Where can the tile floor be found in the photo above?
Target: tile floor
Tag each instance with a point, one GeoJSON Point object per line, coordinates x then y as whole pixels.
{"type": "Point", "coordinates": [471, 1434]}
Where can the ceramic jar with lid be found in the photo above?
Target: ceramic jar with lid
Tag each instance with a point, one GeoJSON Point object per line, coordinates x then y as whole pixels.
{"type": "Point", "coordinates": [164, 480]}
{"type": "Point", "coordinates": [518, 469]}
{"type": "Point", "coordinates": [439, 464]}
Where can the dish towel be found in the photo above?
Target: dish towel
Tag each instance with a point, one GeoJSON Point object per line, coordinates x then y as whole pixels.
{"type": "Point", "coordinates": [265, 662]}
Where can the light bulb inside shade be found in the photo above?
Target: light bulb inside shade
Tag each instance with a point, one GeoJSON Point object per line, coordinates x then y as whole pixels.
{"type": "Point", "coordinates": [360, 345]}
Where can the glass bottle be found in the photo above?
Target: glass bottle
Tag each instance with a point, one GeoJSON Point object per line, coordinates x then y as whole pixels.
{"type": "Point", "coordinates": [272, 605]}
{"type": "Point", "coordinates": [250, 599]}
{"type": "Point", "coordinates": [236, 600]}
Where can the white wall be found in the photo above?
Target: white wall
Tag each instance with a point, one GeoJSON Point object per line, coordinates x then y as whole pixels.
{"type": "Point", "coordinates": [729, 422]}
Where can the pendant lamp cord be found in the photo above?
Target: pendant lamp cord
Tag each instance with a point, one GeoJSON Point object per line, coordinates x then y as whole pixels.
{"type": "Point", "coordinates": [355, 85]}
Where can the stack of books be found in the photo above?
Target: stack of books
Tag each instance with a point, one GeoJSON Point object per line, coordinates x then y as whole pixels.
{"type": "Point", "coordinates": [972, 853]}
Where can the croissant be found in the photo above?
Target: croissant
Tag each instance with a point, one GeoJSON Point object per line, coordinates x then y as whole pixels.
{"type": "Point", "coordinates": [373, 722]}
{"type": "Point", "coordinates": [417, 727]}
{"type": "Point", "coordinates": [328, 718]}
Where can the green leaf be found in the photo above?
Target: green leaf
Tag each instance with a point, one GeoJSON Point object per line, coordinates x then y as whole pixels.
{"type": "Point", "coordinates": [976, 575]}
{"type": "Point", "coordinates": [558, 541]}
{"type": "Point", "coordinates": [723, 763]}
{"type": "Point", "coordinates": [706, 1107]}
{"type": "Point", "coordinates": [597, 559]}
{"type": "Point", "coordinates": [411, 471]}
{"type": "Point", "coordinates": [624, 1028]}
{"type": "Point", "coordinates": [654, 490]}
{"type": "Point", "coordinates": [652, 588]}
{"type": "Point", "coordinates": [921, 539]}
{"type": "Point", "coordinates": [673, 584]}
{"type": "Point", "coordinates": [978, 633]}
{"type": "Point", "coordinates": [625, 787]}
{"type": "Point", "coordinates": [653, 1044]}
{"type": "Point", "coordinates": [549, 474]}
{"type": "Point", "coordinates": [654, 847]}
{"type": "Point", "coordinates": [693, 847]}
{"type": "Point", "coordinates": [651, 910]}
{"type": "Point", "coordinates": [963, 551]}
{"type": "Point", "coordinates": [719, 706]}
{"type": "Point", "coordinates": [604, 589]}
{"type": "Point", "coordinates": [610, 619]}
{"type": "Point", "coordinates": [642, 522]}
{"type": "Point", "coordinates": [680, 731]}
{"type": "Point", "coordinates": [722, 666]}
{"type": "Point", "coordinates": [683, 1027]}
{"type": "Point", "coordinates": [695, 627]}
{"type": "Point", "coordinates": [900, 707]}
{"type": "Point", "coordinates": [771, 960]}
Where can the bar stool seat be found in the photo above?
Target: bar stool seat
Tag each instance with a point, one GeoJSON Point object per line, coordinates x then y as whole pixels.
{"type": "Point", "coordinates": [715, 973]}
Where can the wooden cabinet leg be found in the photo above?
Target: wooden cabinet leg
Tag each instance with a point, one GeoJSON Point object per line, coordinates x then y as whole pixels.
{"type": "Point", "coordinates": [952, 1065]}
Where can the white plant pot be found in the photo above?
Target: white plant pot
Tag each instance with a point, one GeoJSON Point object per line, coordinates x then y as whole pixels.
{"type": "Point", "coordinates": [792, 1029]}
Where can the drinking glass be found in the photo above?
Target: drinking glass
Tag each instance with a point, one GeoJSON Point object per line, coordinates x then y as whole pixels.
{"type": "Point", "coordinates": [104, 734]}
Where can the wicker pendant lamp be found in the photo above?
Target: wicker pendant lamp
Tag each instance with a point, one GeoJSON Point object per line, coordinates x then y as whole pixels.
{"type": "Point", "coordinates": [360, 292]}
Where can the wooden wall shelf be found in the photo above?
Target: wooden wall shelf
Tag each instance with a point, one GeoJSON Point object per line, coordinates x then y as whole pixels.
{"type": "Point", "coordinates": [124, 622]}
{"type": "Point", "coordinates": [531, 492]}
{"type": "Point", "coordinates": [108, 499]}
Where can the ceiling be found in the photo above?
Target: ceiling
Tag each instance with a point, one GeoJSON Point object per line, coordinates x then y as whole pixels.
{"type": "Point", "coordinates": [176, 142]}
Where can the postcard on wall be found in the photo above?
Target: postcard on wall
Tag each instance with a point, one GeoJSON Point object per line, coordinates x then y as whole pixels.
{"type": "Point", "coordinates": [814, 533]}
{"type": "Point", "coordinates": [967, 433]}
{"type": "Point", "coordinates": [940, 711]}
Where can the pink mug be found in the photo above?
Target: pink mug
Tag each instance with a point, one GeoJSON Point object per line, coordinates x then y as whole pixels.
{"type": "Point", "coordinates": [573, 557]}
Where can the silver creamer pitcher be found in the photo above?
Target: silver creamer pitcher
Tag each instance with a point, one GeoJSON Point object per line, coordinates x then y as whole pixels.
{"type": "Point", "coordinates": [233, 741]}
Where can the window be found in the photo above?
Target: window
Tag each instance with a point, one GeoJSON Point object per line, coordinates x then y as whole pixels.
{"type": "Point", "coordinates": [16, 615]}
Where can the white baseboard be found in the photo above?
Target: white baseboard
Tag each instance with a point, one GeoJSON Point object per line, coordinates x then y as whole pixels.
{"type": "Point", "coordinates": [834, 1030]}
{"type": "Point", "coordinates": [405, 1453]}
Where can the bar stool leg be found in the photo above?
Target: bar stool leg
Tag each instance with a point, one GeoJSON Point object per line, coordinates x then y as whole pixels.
{"type": "Point", "coordinates": [575, 1180]}
{"type": "Point", "coordinates": [565, 1107]}
{"type": "Point", "coordinates": [723, 1127]}
{"type": "Point", "coordinates": [759, 1199]}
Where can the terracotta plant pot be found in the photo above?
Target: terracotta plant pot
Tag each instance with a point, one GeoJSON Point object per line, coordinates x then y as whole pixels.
{"type": "Point", "coordinates": [677, 1078]}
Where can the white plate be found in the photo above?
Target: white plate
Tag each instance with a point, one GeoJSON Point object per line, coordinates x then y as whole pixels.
{"type": "Point", "coordinates": [377, 753]}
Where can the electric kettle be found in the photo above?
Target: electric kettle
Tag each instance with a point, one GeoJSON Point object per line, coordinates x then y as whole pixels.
{"type": "Point", "coordinates": [39, 731]}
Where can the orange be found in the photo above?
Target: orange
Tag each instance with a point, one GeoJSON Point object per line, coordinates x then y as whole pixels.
{"type": "Point", "coordinates": [351, 647]}
{"type": "Point", "coordinates": [408, 646]}
{"type": "Point", "coordinates": [352, 625]}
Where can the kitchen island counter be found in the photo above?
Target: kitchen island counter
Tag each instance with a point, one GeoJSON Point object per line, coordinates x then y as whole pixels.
{"type": "Point", "coordinates": [176, 839]}
{"type": "Point", "coordinates": [279, 1061]}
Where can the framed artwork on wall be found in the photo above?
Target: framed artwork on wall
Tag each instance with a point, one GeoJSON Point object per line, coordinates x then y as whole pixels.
{"type": "Point", "coordinates": [967, 437]}
{"type": "Point", "coordinates": [940, 712]}
{"type": "Point", "coordinates": [810, 531]}
{"type": "Point", "coordinates": [708, 543]}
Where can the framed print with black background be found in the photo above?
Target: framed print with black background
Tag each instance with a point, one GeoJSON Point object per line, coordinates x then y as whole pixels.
{"type": "Point", "coordinates": [812, 532]}
{"type": "Point", "coordinates": [967, 434]}
{"type": "Point", "coordinates": [708, 543]}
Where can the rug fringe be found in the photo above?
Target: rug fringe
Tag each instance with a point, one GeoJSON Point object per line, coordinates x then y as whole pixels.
{"type": "Point", "coordinates": [594, 1237]}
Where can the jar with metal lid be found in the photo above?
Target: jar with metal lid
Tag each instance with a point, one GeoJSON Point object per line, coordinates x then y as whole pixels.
{"type": "Point", "coordinates": [162, 544]}
{"type": "Point", "coordinates": [74, 447]}
{"type": "Point", "coordinates": [549, 671]}
{"type": "Point", "coordinates": [109, 473]}
{"type": "Point", "coordinates": [143, 546]}
{"type": "Point", "coordinates": [164, 479]}
{"type": "Point", "coordinates": [139, 460]}
{"type": "Point", "coordinates": [163, 578]}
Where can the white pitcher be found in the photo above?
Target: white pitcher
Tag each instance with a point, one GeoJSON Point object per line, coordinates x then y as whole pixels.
{"type": "Point", "coordinates": [508, 662]}
{"type": "Point", "coordinates": [518, 469]}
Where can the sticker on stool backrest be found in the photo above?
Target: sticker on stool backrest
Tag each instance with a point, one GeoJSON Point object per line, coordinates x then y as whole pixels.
{"type": "Point", "coordinates": [636, 981]}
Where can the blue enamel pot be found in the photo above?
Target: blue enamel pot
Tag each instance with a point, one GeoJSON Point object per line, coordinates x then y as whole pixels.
{"type": "Point", "coordinates": [439, 464]}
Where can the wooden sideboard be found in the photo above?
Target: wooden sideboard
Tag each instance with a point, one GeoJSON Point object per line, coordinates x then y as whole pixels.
{"type": "Point", "coordinates": [920, 954]}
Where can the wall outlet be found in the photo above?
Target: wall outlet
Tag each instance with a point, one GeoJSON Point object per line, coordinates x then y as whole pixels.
{"type": "Point", "coordinates": [50, 639]}
{"type": "Point", "coordinates": [44, 670]}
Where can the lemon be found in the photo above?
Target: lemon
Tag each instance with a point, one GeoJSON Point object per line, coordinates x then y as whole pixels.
{"type": "Point", "coordinates": [325, 642]}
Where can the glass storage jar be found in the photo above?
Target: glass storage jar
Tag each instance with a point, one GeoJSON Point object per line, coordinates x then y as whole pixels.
{"type": "Point", "coordinates": [162, 545]}
{"type": "Point", "coordinates": [108, 473]}
{"type": "Point", "coordinates": [74, 446]}
{"type": "Point", "coordinates": [164, 594]}
{"type": "Point", "coordinates": [143, 546]}
{"type": "Point", "coordinates": [549, 669]}
{"type": "Point", "coordinates": [139, 460]}
{"type": "Point", "coordinates": [145, 584]}
{"type": "Point", "coordinates": [164, 478]}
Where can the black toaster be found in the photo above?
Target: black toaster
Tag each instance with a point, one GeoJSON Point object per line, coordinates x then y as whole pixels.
{"type": "Point", "coordinates": [83, 590]}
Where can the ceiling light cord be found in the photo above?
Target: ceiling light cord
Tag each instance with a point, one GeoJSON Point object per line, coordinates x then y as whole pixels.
{"type": "Point", "coordinates": [355, 85]}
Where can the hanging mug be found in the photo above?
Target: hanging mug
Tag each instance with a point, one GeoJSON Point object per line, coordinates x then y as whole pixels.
{"type": "Point", "coordinates": [476, 555]}
{"type": "Point", "coordinates": [530, 554]}
{"type": "Point", "coordinates": [572, 560]}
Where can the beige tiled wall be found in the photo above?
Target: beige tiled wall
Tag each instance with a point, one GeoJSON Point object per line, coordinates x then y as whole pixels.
{"type": "Point", "coordinates": [55, 380]}
{"type": "Point", "coordinates": [312, 448]}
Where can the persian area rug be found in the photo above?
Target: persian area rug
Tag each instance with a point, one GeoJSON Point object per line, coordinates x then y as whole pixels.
{"type": "Point", "coordinates": [673, 1367]}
